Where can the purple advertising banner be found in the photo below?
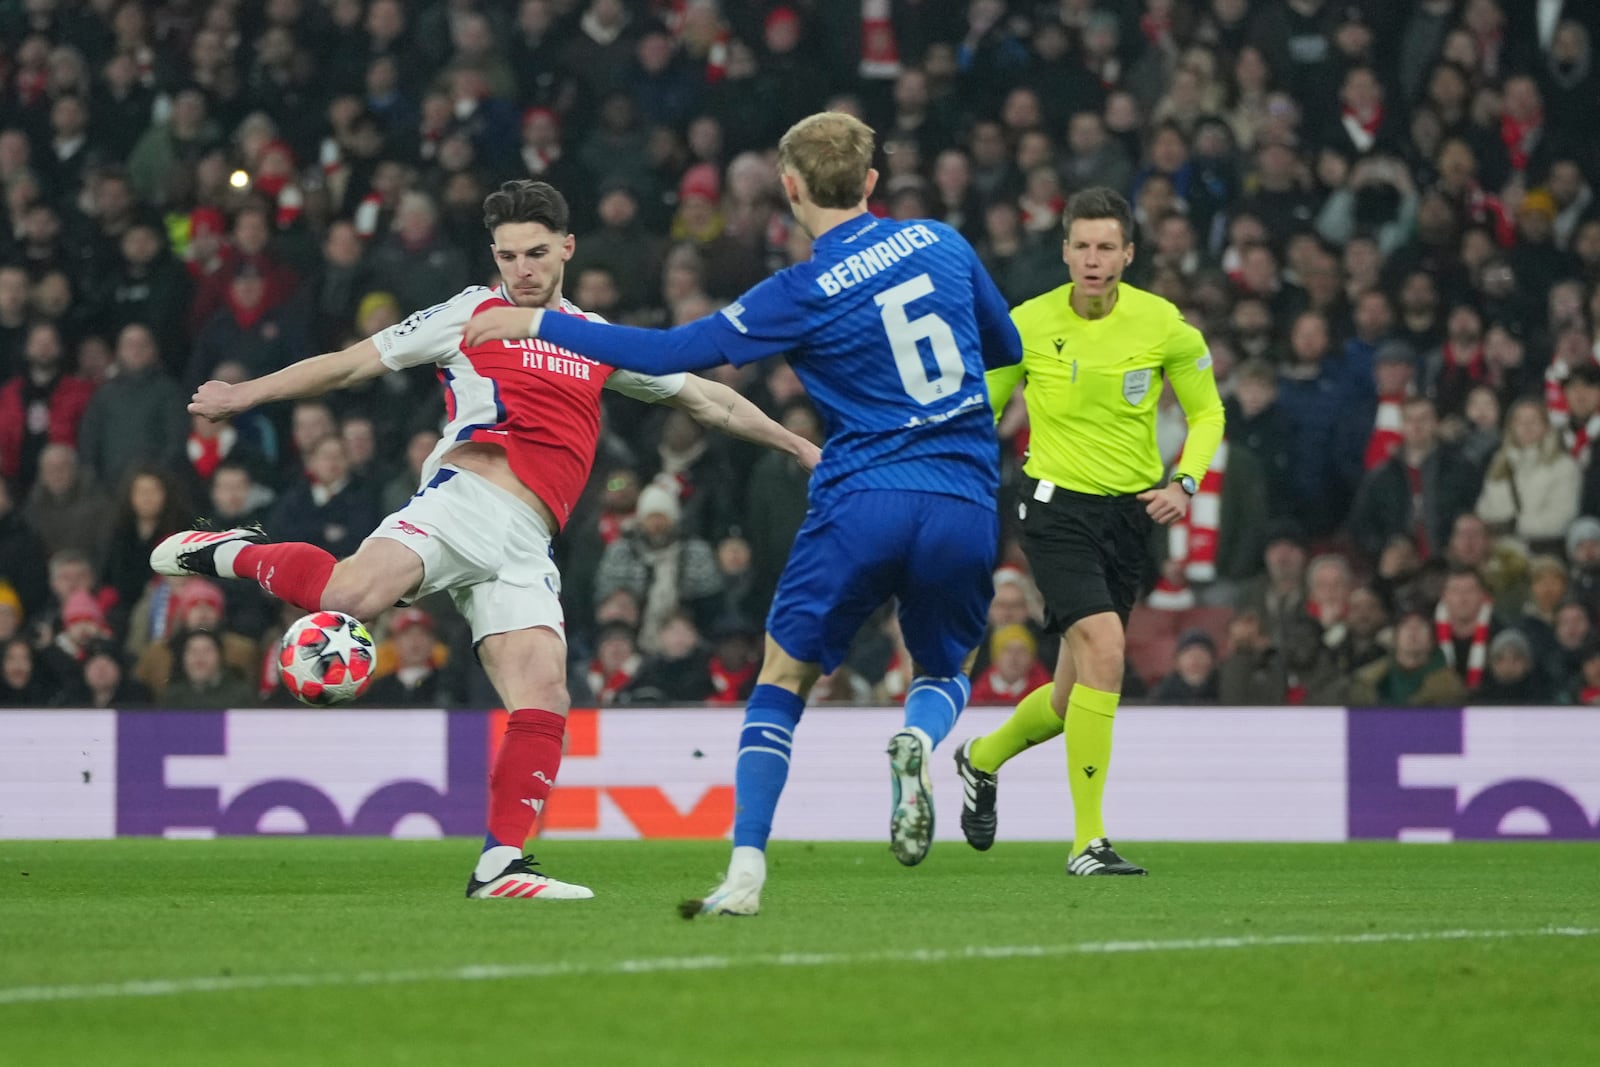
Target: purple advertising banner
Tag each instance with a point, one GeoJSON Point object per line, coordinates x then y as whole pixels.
{"type": "Point", "coordinates": [1181, 774]}
{"type": "Point", "coordinates": [202, 774]}
{"type": "Point", "coordinates": [1475, 774]}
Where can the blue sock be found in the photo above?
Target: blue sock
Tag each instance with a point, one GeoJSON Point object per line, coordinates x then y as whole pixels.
{"type": "Point", "coordinates": [934, 704]}
{"type": "Point", "coordinates": [763, 766]}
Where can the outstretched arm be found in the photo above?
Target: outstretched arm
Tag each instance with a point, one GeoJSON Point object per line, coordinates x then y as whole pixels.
{"type": "Point", "coordinates": [715, 405]}
{"type": "Point", "coordinates": [682, 348]}
{"type": "Point", "coordinates": [768, 320]}
{"type": "Point", "coordinates": [309, 377]}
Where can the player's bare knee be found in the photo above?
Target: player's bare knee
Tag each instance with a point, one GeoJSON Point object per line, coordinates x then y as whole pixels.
{"type": "Point", "coordinates": [528, 668]}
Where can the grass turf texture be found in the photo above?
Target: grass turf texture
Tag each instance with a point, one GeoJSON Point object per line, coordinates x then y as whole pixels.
{"type": "Point", "coordinates": [132, 910]}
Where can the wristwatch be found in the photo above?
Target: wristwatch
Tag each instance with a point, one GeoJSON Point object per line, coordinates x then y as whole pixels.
{"type": "Point", "coordinates": [1186, 483]}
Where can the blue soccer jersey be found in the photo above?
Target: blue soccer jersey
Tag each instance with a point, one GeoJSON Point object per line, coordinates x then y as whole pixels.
{"type": "Point", "coordinates": [890, 326]}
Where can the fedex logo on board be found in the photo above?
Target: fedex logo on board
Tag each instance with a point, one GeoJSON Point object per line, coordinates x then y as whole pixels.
{"type": "Point", "coordinates": [368, 773]}
{"type": "Point", "coordinates": [1444, 775]}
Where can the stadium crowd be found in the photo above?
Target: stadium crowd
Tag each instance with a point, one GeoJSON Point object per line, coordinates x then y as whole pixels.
{"type": "Point", "coordinates": [1381, 215]}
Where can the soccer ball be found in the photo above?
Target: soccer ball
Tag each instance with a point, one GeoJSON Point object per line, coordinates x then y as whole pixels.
{"type": "Point", "coordinates": [326, 659]}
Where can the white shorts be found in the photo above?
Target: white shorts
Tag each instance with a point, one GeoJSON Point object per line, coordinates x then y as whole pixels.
{"type": "Point", "coordinates": [488, 549]}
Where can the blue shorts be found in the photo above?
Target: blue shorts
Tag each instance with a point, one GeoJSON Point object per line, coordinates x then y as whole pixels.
{"type": "Point", "coordinates": [935, 553]}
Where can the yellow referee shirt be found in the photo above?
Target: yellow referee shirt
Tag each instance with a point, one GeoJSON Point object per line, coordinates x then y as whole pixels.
{"type": "Point", "coordinates": [1092, 385]}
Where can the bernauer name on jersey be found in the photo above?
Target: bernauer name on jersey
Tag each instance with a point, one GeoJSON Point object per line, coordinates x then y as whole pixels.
{"type": "Point", "coordinates": [859, 266]}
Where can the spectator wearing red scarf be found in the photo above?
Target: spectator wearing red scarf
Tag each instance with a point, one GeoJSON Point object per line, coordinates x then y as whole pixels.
{"type": "Point", "coordinates": [616, 661]}
{"type": "Point", "coordinates": [1364, 125]}
{"type": "Point", "coordinates": [734, 660]}
{"type": "Point", "coordinates": [1393, 373]}
{"type": "Point", "coordinates": [41, 406]}
{"type": "Point", "coordinates": [1458, 181]}
{"type": "Point", "coordinates": [245, 250]}
{"type": "Point", "coordinates": [249, 329]}
{"type": "Point", "coordinates": [1522, 121]}
{"type": "Point", "coordinates": [1459, 363]}
{"type": "Point", "coordinates": [83, 622]}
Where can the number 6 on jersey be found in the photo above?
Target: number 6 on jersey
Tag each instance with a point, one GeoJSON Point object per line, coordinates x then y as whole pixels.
{"type": "Point", "coordinates": [904, 333]}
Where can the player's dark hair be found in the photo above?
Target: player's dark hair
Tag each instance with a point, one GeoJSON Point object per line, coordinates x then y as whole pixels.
{"type": "Point", "coordinates": [1099, 203]}
{"type": "Point", "coordinates": [525, 200]}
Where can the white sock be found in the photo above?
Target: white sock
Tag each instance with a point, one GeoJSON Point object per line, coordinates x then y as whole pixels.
{"type": "Point", "coordinates": [224, 557]}
{"type": "Point", "coordinates": [749, 861]}
{"type": "Point", "coordinates": [922, 734]}
{"type": "Point", "coordinates": [494, 860]}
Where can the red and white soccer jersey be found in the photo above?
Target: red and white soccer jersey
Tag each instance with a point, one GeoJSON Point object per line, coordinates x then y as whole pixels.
{"type": "Point", "coordinates": [539, 402]}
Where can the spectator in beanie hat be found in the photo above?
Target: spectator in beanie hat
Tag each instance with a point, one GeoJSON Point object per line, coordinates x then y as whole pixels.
{"type": "Point", "coordinates": [731, 265]}
{"type": "Point", "coordinates": [1194, 678]}
{"type": "Point", "coordinates": [661, 568]}
{"type": "Point", "coordinates": [1514, 677]}
{"type": "Point", "coordinates": [1014, 669]}
{"type": "Point", "coordinates": [195, 604]}
{"type": "Point", "coordinates": [11, 614]}
{"type": "Point", "coordinates": [83, 623]}
{"type": "Point", "coordinates": [1583, 556]}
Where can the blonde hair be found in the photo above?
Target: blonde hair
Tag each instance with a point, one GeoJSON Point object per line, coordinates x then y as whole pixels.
{"type": "Point", "coordinates": [1548, 446]}
{"type": "Point", "coordinates": [831, 152]}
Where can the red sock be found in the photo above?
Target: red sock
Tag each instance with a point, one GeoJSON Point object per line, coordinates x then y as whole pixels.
{"type": "Point", "coordinates": [524, 771]}
{"type": "Point", "coordinates": [294, 571]}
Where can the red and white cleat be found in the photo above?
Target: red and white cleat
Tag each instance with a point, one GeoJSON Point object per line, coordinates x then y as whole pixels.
{"type": "Point", "coordinates": [521, 880]}
{"type": "Point", "coordinates": [193, 551]}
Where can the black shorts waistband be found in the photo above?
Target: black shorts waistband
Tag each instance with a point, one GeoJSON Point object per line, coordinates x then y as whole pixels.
{"type": "Point", "coordinates": [1059, 493]}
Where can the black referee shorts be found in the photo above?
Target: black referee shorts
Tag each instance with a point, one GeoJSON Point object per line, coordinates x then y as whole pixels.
{"type": "Point", "coordinates": [1089, 553]}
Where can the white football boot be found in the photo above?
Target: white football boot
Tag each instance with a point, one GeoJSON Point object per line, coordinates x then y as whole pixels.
{"type": "Point", "coordinates": [194, 551]}
{"type": "Point", "coordinates": [911, 819]}
{"type": "Point", "coordinates": [521, 880]}
{"type": "Point", "coordinates": [740, 891]}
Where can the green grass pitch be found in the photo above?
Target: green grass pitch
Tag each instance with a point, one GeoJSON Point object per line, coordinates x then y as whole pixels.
{"type": "Point", "coordinates": [310, 952]}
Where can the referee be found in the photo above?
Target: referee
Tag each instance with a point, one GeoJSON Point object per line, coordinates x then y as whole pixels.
{"type": "Point", "coordinates": [1094, 353]}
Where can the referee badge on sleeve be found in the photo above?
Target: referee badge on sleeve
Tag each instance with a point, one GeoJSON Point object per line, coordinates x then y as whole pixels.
{"type": "Point", "coordinates": [1136, 385]}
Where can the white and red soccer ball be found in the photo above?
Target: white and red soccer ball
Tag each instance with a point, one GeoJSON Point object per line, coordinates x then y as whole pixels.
{"type": "Point", "coordinates": [326, 658]}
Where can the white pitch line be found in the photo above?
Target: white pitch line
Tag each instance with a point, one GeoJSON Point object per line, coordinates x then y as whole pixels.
{"type": "Point", "coordinates": [492, 972]}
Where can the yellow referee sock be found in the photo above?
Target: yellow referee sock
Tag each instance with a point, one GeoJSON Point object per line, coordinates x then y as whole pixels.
{"type": "Point", "coordinates": [1090, 713]}
{"type": "Point", "coordinates": [1033, 721]}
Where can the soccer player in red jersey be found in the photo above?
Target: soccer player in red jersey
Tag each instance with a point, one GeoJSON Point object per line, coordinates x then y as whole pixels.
{"type": "Point", "coordinates": [524, 419]}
